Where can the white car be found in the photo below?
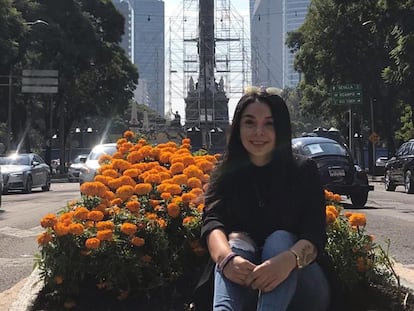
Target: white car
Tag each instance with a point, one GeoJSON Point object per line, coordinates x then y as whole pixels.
{"type": "Point", "coordinates": [75, 167]}
{"type": "Point", "coordinates": [88, 169]}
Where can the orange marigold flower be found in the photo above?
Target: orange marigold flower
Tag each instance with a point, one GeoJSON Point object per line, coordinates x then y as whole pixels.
{"type": "Point", "coordinates": [44, 238]}
{"type": "Point", "coordinates": [152, 179]}
{"type": "Point", "coordinates": [137, 241]}
{"type": "Point", "coordinates": [186, 141]}
{"type": "Point", "coordinates": [177, 168]}
{"type": "Point", "coordinates": [205, 166]}
{"type": "Point", "coordinates": [95, 215]}
{"type": "Point", "coordinates": [66, 218]}
{"type": "Point", "coordinates": [165, 157]}
{"type": "Point", "coordinates": [92, 243]}
{"type": "Point", "coordinates": [110, 173]}
{"type": "Point", "coordinates": [125, 192]}
{"type": "Point", "coordinates": [173, 210]}
{"type": "Point", "coordinates": [188, 197]}
{"type": "Point", "coordinates": [347, 214]}
{"type": "Point", "coordinates": [104, 158]}
{"type": "Point", "coordinates": [194, 182]}
{"type": "Point", "coordinates": [143, 188]}
{"type": "Point", "coordinates": [330, 217]}
{"type": "Point", "coordinates": [116, 202]}
{"type": "Point", "coordinates": [200, 207]}
{"type": "Point", "coordinates": [133, 206]}
{"type": "Point", "coordinates": [180, 179]}
{"type": "Point", "coordinates": [193, 171]}
{"type": "Point", "coordinates": [358, 220]}
{"type": "Point", "coordinates": [188, 160]}
{"type": "Point", "coordinates": [132, 172]}
{"type": "Point", "coordinates": [188, 220]}
{"type": "Point", "coordinates": [135, 156]}
{"type": "Point", "coordinates": [61, 229]}
{"type": "Point", "coordinates": [121, 164]}
{"type": "Point", "coordinates": [105, 225]}
{"type": "Point", "coordinates": [162, 223]}
{"type": "Point", "coordinates": [128, 134]}
{"type": "Point", "coordinates": [58, 279]}
{"type": "Point", "coordinates": [332, 209]}
{"type": "Point", "coordinates": [93, 188]}
{"type": "Point", "coordinates": [128, 228]}
{"type": "Point", "coordinates": [76, 229]}
{"type": "Point", "coordinates": [104, 235]}
{"type": "Point", "coordinates": [174, 189]}
{"type": "Point", "coordinates": [166, 196]}
{"type": "Point", "coordinates": [81, 213]}
{"type": "Point", "coordinates": [48, 221]}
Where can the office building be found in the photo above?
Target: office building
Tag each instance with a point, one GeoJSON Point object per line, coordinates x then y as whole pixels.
{"type": "Point", "coordinates": [270, 21]}
{"type": "Point", "coordinates": [145, 44]}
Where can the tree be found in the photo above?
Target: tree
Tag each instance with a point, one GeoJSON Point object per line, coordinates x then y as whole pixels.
{"type": "Point", "coordinates": [81, 41]}
{"type": "Point", "coordinates": [345, 42]}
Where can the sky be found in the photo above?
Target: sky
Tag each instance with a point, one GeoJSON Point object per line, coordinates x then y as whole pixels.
{"type": "Point", "coordinates": [174, 8]}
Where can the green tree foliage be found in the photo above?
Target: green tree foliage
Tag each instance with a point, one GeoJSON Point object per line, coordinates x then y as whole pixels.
{"type": "Point", "coordinates": [81, 41]}
{"type": "Point", "coordinates": [345, 42]}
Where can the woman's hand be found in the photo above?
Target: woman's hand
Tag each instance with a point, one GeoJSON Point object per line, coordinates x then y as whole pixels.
{"type": "Point", "coordinates": [271, 272]}
{"type": "Point", "coordinates": [238, 270]}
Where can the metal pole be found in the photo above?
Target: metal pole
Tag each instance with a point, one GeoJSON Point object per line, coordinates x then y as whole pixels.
{"type": "Point", "coordinates": [9, 113]}
{"type": "Point", "coordinates": [372, 131]}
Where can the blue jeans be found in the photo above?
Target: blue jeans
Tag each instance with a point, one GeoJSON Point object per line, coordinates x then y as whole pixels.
{"type": "Point", "coordinates": [304, 289]}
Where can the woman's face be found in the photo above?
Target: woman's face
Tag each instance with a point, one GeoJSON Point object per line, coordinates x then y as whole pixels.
{"type": "Point", "coordinates": [257, 132]}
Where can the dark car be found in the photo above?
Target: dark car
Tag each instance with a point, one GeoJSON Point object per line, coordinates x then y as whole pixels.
{"type": "Point", "coordinates": [336, 166]}
{"type": "Point", "coordinates": [24, 171]}
{"type": "Point", "coordinates": [399, 169]}
{"type": "Point", "coordinates": [1, 185]}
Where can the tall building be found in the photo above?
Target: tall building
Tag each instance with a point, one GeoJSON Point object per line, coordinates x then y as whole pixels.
{"type": "Point", "coordinates": [270, 21]}
{"type": "Point", "coordinates": [145, 44]}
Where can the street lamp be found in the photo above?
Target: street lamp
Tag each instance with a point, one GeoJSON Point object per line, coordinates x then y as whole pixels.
{"type": "Point", "coordinates": [10, 84]}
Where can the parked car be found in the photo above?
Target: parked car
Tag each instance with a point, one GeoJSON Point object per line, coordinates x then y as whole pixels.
{"type": "Point", "coordinates": [399, 169]}
{"type": "Point", "coordinates": [24, 171]}
{"type": "Point", "coordinates": [75, 166]}
{"type": "Point", "coordinates": [88, 169]}
{"type": "Point", "coordinates": [380, 165]}
{"type": "Point", "coordinates": [336, 166]}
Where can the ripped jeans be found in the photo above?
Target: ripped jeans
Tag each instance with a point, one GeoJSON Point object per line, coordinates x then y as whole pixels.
{"type": "Point", "coordinates": [304, 289]}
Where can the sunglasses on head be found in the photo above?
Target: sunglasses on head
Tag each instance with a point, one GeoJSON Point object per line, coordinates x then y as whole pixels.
{"type": "Point", "coordinates": [256, 90]}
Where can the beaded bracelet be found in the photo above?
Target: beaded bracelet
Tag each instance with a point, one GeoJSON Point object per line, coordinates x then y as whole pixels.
{"type": "Point", "coordinates": [225, 261]}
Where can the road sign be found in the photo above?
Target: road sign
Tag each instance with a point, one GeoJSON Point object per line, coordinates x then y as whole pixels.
{"type": "Point", "coordinates": [347, 94]}
{"type": "Point", "coordinates": [40, 81]}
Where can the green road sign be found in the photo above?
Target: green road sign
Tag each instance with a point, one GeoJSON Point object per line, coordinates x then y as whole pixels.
{"type": "Point", "coordinates": [347, 94]}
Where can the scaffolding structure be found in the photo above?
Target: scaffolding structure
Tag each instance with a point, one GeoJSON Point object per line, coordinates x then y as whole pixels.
{"type": "Point", "coordinates": [232, 51]}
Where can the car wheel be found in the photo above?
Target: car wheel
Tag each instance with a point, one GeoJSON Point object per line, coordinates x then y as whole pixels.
{"type": "Point", "coordinates": [389, 184]}
{"type": "Point", "coordinates": [359, 199]}
{"type": "Point", "coordinates": [47, 186]}
{"type": "Point", "coordinates": [29, 184]}
{"type": "Point", "coordinates": [408, 182]}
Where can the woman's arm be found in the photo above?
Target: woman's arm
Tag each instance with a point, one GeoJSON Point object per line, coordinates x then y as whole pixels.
{"type": "Point", "coordinates": [218, 245]}
{"type": "Point", "coordinates": [305, 253]}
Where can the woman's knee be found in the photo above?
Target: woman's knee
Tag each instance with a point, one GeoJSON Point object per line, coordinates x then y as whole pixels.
{"type": "Point", "coordinates": [278, 242]}
{"type": "Point", "coordinates": [242, 241]}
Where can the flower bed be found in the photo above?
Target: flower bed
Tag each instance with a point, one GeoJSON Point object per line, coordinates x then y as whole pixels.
{"type": "Point", "coordinates": [133, 236]}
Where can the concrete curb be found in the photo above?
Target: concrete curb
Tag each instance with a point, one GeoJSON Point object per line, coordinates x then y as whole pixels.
{"type": "Point", "coordinates": [26, 296]}
{"type": "Point", "coordinates": [28, 293]}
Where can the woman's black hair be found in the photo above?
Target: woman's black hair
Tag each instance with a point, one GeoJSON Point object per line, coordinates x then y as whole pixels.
{"type": "Point", "coordinates": [235, 156]}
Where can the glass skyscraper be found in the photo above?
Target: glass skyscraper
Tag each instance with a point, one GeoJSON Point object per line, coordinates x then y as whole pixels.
{"type": "Point", "coordinates": [145, 43]}
{"type": "Point", "coordinates": [270, 21]}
